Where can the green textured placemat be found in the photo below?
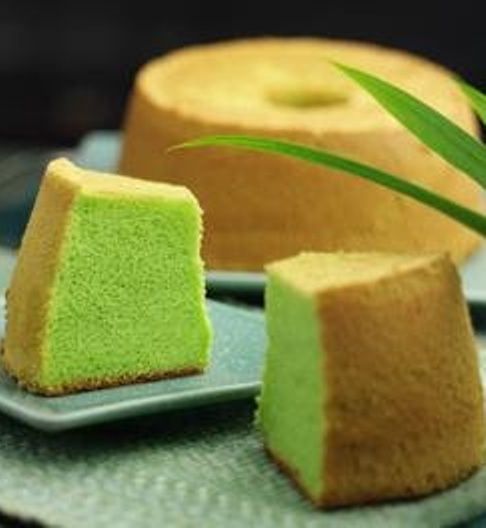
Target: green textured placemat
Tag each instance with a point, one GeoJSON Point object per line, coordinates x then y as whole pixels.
{"type": "Point", "coordinates": [188, 469]}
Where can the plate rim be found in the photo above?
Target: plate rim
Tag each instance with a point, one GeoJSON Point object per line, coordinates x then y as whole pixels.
{"type": "Point", "coordinates": [51, 420]}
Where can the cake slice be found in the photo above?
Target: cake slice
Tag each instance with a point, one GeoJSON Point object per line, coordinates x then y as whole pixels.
{"type": "Point", "coordinates": [371, 387]}
{"type": "Point", "coordinates": [108, 287]}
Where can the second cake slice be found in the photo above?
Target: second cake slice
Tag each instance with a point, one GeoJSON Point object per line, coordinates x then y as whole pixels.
{"type": "Point", "coordinates": [109, 285]}
{"type": "Point", "coordinates": [371, 389]}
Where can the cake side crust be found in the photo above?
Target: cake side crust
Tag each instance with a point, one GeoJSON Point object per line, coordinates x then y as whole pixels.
{"type": "Point", "coordinates": [363, 216]}
{"type": "Point", "coordinates": [394, 431]}
{"type": "Point", "coordinates": [36, 268]}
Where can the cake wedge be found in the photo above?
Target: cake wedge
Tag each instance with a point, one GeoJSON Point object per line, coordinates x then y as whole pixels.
{"type": "Point", "coordinates": [371, 388]}
{"type": "Point", "coordinates": [108, 288]}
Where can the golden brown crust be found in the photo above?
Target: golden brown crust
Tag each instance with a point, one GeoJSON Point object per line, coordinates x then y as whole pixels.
{"type": "Point", "coordinates": [415, 422]}
{"type": "Point", "coordinates": [88, 385]}
{"type": "Point", "coordinates": [36, 266]}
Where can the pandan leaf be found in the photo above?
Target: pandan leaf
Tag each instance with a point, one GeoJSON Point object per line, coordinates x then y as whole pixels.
{"type": "Point", "coordinates": [432, 128]}
{"type": "Point", "coordinates": [467, 217]}
{"type": "Point", "coordinates": [476, 98]}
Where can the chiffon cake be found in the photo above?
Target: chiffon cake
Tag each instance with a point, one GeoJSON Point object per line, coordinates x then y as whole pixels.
{"type": "Point", "coordinates": [260, 207]}
{"type": "Point", "coordinates": [108, 287]}
{"type": "Point", "coordinates": [371, 388]}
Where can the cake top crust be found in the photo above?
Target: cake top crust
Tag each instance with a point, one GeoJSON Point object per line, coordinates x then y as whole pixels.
{"type": "Point", "coordinates": [91, 183]}
{"type": "Point", "coordinates": [313, 273]}
{"type": "Point", "coordinates": [290, 84]}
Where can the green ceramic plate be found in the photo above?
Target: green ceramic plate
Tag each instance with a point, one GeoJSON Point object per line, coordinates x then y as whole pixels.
{"type": "Point", "coordinates": [100, 150]}
{"type": "Point", "coordinates": [239, 344]}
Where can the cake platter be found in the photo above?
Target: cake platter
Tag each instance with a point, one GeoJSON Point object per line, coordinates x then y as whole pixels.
{"type": "Point", "coordinates": [235, 371]}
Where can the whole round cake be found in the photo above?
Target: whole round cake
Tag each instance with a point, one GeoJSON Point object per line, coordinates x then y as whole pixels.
{"type": "Point", "coordinates": [260, 207]}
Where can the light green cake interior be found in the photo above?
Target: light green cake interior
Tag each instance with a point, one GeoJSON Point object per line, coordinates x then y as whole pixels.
{"type": "Point", "coordinates": [128, 299]}
{"type": "Point", "coordinates": [292, 403]}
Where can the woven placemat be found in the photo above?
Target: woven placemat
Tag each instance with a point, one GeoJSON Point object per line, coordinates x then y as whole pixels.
{"type": "Point", "coordinates": [188, 469]}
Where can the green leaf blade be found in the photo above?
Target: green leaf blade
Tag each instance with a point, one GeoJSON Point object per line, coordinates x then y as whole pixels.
{"type": "Point", "coordinates": [476, 98]}
{"type": "Point", "coordinates": [464, 215]}
{"type": "Point", "coordinates": [432, 128]}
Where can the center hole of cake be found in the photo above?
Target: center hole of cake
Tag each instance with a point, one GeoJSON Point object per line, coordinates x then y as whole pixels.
{"type": "Point", "coordinates": [300, 97]}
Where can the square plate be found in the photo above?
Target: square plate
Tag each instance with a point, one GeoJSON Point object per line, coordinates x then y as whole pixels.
{"type": "Point", "coordinates": [235, 371]}
{"type": "Point", "coordinates": [100, 150]}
